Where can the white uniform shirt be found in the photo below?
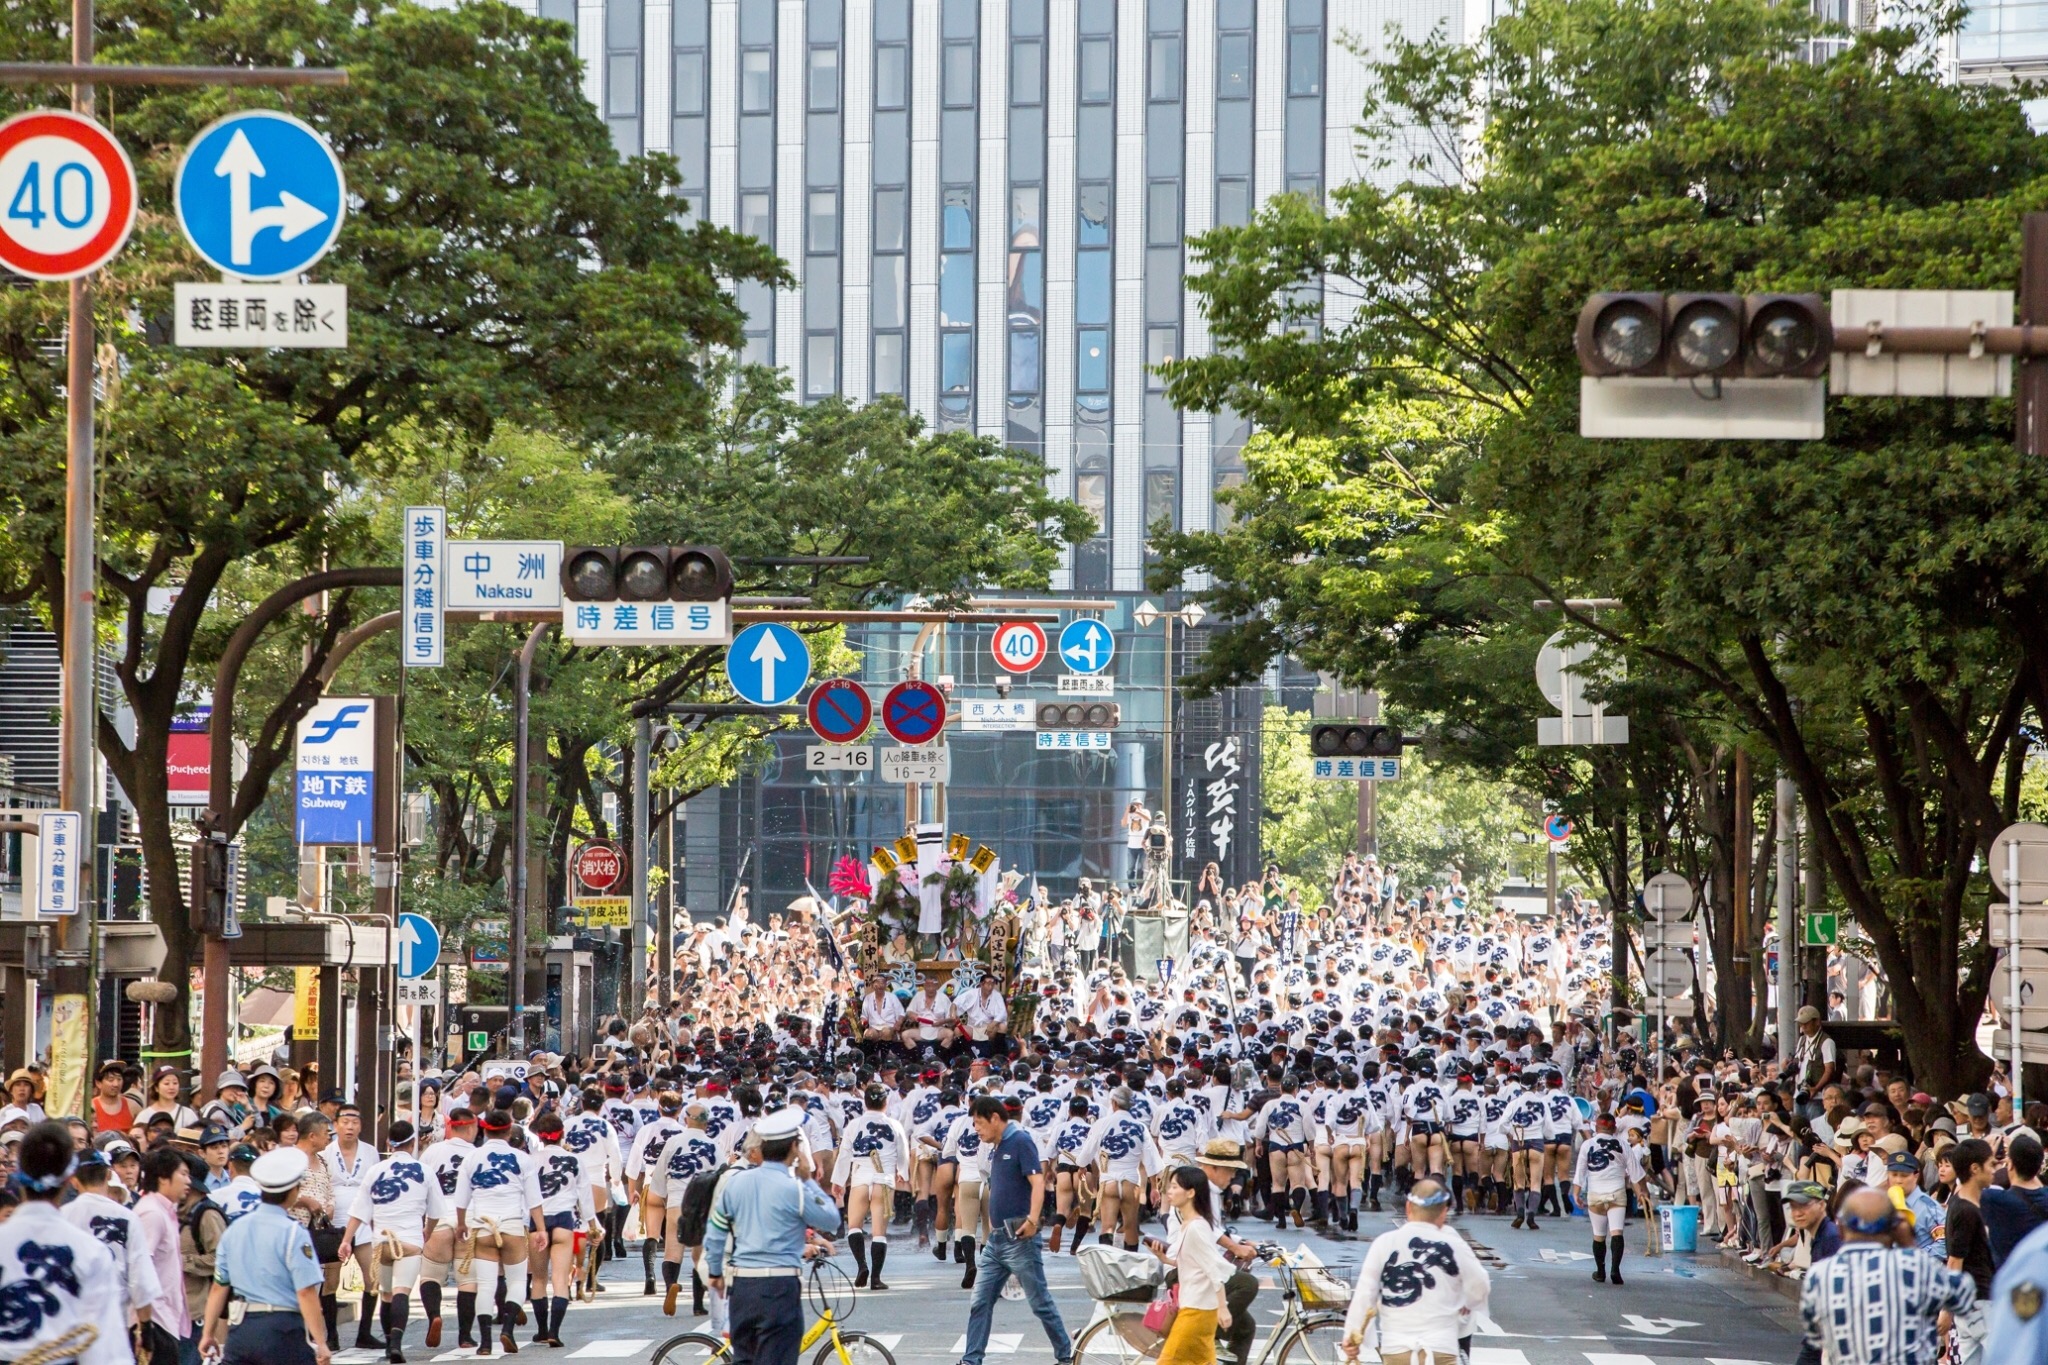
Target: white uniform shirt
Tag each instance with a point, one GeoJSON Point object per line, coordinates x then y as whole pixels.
{"type": "Point", "coordinates": [1607, 1166]}
{"type": "Point", "coordinates": [1425, 1281]}
{"type": "Point", "coordinates": [348, 1175]}
{"type": "Point", "coordinates": [650, 1140]}
{"type": "Point", "coordinates": [238, 1196]}
{"type": "Point", "coordinates": [114, 1227]}
{"type": "Point", "coordinates": [53, 1274]}
{"type": "Point", "coordinates": [1180, 1128]}
{"type": "Point", "coordinates": [874, 1150]}
{"type": "Point", "coordinates": [982, 1012]}
{"type": "Point", "coordinates": [682, 1158]}
{"type": "Point", "coordinates": [885, 1012]}
{"type": "Point", "coordinates": [563, 1188]}
{"type": "Point", "coordinates": [400, 1198]}
{"type": "Point", "coordinates": [445, 1160]}
{"type": "Point", "coordinates": [592, 1140]}
{"type": "Point", "coordinates": [1126, 1146]}
{"type": "Point", "coordinates": [500, 1183]}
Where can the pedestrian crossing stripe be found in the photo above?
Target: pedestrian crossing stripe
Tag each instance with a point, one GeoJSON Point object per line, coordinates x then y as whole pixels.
{"type": "Point", "coordinates": [615, 1348]}
{"type": "Point", "coordinates": [999, 1343]}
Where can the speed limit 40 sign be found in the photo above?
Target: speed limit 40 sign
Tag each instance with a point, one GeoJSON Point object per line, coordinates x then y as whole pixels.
{"type": "Point", "coordinates": [67, 195]}
{"type": "Point", "coordinates": [1019, 646]}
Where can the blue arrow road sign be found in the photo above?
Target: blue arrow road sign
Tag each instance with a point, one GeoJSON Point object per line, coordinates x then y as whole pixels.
{"type": "Point", "coordinates": [419, 945]}
{"type": "Point", "coordinates": [1087, 646]}
{"type": "Point", "coordinates": [768, 663]}
{"type": "Point", "coordinates": [259, 195]}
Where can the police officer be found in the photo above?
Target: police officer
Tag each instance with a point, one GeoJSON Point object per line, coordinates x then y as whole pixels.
{"type": "Point", "coordinates": [756, 1241]}
{"type": "Point", "coordinates": [57, 1303]}
{"type": "Point", "coordinates": [266, 1259]}
{"type": "Point", "coordinates": [2019, 1329]}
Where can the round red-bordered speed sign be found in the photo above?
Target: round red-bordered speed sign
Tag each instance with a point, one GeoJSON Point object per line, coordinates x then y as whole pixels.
{"type": "Point", "coordinates": [1019, 646]}
{"type": "Point", "coordinates": [67, 195]}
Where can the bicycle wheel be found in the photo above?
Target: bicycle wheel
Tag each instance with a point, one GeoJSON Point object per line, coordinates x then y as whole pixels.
{"type": "Point", "coordinates": [861, 1349]}
{"type": "Point", "coordinates": [692, 1348]}
{"type": "Point", "coordinates": [1315, 1341]}
{"type": "Point", "coordinates": [1101, 1344]}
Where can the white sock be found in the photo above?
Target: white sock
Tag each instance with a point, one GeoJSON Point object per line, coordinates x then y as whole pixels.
{"type": "Point", "coordinates": [515, 1283]}
{"type": "Point", "coordinates": [486, 1288]}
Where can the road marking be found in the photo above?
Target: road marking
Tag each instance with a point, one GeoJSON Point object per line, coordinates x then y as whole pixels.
{"type": "Point", "coordinates": [615, 1348]}
{"type": "Point", "coordinates": [1498, 1355]}
{"type": "Point", "coordinates": [999, 1343]}
{"type": "Point", "coordinates": [1726, 1360]}
{"type": "Point", "coordinates": [887, 1340]}
{"type": "Point", "coordinates": [1655, 1327]}
{"type": "Point", "coordinates": [1601, 1358]}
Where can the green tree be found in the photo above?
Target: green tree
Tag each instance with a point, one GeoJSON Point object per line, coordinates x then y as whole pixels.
{"type": "Point", "coordinates": [502, 264]}
{"type": "Point", "coordinates": [1863, 611]}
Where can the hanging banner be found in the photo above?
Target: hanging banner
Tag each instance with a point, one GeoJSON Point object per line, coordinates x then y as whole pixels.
{"type": "Point", "coordinates": [66, 1094]}
{"type": "Point", "coordinates": [305, 1004]}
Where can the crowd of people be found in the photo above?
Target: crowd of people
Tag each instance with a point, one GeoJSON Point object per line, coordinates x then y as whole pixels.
{"type": "Point", "coordinates": [1305, 1062]}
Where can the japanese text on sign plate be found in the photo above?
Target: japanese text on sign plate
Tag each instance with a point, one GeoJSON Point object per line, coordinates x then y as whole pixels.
{"type": "Point", "coordinates": [425, 593]}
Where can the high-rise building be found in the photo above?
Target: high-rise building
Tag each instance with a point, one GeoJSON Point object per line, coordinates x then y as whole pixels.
{"type": "Point", "coordinates": [987, 205]}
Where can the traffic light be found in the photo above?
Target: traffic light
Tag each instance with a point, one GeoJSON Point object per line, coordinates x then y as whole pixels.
{"type": "Point", "coordinates": [209, 886]}
{"type": "Point", "coordinates": [1079, 715]}
{"type": "Point", "coordinates": [1704, 336]}
{"type": "Point", "coordinates": [1355, 741]}
{"type": "Point", "coordinates": [646, 573]}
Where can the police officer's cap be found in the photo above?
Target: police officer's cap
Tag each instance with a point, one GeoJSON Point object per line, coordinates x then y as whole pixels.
{"type": "Point", "coordinates": [279, 1170]}
{"type": "Point", "coordinates": [783, 1123]}
{"type": "Point", "coordinates": [213, 1134]}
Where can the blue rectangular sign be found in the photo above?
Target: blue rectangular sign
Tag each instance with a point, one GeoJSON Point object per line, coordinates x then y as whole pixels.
{"type": "Point", "coordinates": [337, 782]}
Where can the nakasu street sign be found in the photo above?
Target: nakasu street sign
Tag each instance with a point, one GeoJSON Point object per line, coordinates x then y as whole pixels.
{"type": "Point", "coordinates": [840, 711]}
{"type": "Point", "coordinates": [67, 195]}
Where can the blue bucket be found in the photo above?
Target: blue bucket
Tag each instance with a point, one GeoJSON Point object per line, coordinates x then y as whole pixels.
{"type": "Point", "coordinates": [1678, 1227]}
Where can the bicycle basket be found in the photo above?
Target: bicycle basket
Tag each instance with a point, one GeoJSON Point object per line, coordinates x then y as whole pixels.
{"type": "Point", "coordinates": [1320, 1289]}
{"type": "Point", "coordinates": [1120, 1276]}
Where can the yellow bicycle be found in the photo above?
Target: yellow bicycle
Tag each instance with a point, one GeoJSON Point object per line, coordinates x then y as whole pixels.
{"type": "Point", "coordinates": [840, 1348]}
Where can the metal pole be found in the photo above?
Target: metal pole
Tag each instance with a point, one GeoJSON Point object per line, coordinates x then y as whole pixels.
{"type": "Point", "coordinates": [642, 846]}
{"type": "Point", "coordinates": [1166, 758]}
{"type": "Point", "coordinates": [665, 936]}
{"type": "Point", "coordinates": [2012, 969]}
{"type": "Point", "coordinates": [79, 714]}
{"type": "Point", "coordinates": [1788, 913]}
{"type": "Point", "coordinates": [515, 965]}
{"type": "Point", "coordinates": [1549, 880]}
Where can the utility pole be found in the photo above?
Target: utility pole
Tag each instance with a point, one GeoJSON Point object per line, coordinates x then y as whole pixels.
{"type": "Point", "coordinates": [642, 845]}
{"type": "Point", "coordinates": [1788, 912]}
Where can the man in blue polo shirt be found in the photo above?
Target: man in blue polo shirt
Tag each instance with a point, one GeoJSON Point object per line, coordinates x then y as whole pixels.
{"type": "Point", "coordinates": [1016, 1192]}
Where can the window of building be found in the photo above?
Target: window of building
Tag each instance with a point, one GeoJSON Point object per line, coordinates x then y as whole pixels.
{"type": "Point", "coordinates": [1027, 66]}
{"type": "Point", "coordinates": [824, 86]}
{"type": "Point", "coordinates": [1234, 66]}
{"type": "Point", "coordinates": [1162, 503]}
{"type": "Point", "coordinates": [889, 363]}
{"type": "Point", "coordinates": [1093, 203]}
{"type": "Point", "coordinates": [956, 220]}
{"type": "Point", "coordinates": [1162, 213]}
{"type": "Point", "coordinates": [622, 84]}
{"type": "Point", "coordinates": [1162, 344]}
{"type": "Point", "coordinates": [956, 289]}
{"type": "Point", "coordinates": [957, 76]}
{"type": "Point", "coordinates": [892, 76]}
{"type": "Point", "coordinates": [757, 219]}
{"type": "Point", "coordinates": [821, 364]}
{"type": "Point", "coordinates": [1092, 290]}
{"type": "Point", "coordinates": [1304, 62]}
{"type": "Point", "coordinates": [690, 89]}
{"type": "Point", "coordinates": [1091, 374]}
{"type": "Point", "coordinates": [1233, 202]}
{"type": "Point", "coordinates": [1097, 70]}
{"type": "Point", "coordinates": [1091, 490]}
{"type": "Point", "coordinates": [956, 361]}
{"type": "Point", "coordinates": [757, 81]}
{"type": "Point", "coordinates": [1024, 360]}
{"type": "Point", "coordinates": [889, 227]}
{"type": "Point", "coordinates": [822, 228]}
{"type": "Point", "coordinates": [1165, 82]}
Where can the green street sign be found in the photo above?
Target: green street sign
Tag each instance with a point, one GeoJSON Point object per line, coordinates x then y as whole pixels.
{"type": "Point", "coordinates": [1823, 929]}
{"type": "Point", "coordinates": [479, 1040]}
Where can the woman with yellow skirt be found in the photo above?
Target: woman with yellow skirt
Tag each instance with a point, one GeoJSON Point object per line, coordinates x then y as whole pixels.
{"type": "Point", "coordinates": [1203, 1269]}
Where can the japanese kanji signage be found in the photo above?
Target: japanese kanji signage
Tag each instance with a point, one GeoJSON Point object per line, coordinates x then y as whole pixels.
{"type": "Point", "coordinates": [1216, 787]}
{"type": "Point", "coordinates": [1357, 769]}
{"type": "Point", "coordinates": [647, 623]}
{"type": "Point", "coordinates": [337, 762]}
{"type": "Point", "coordinates": [57, 849]}
{"type": "Point", "coordinates": [1077, 739]}
{"type": "Point", "coordinates": [423, 623]}
{"type": "Point", "coordinates": [504, 573]}
{"type": "Point", "coordinates": [299, 316]}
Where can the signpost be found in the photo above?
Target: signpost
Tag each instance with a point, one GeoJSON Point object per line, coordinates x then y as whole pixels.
{"type": "Point", "coordinates": [768, 664]}
{"type": "Point", "coordinates": [647, 623]}
{"type": "Point", "coordinates": [271, 232]}
{"type": "Point", "coordinates": [840, 711]}
{"type": "Point", "coordinates": [423, 621]}
{"type": "Point", "coordinates": [1019, 646]}
{"type": "Point", "coordinates": [914, 713]}
{"type": "Point", "coordinates": [1356, 769]}
{"type": "Point", "coordinates": [1077, 739]}
{"type": "Point", "coordinates": [483, 574]}
{"type": "Point", "coordinates": [839, 758]}
{"type": "Point", "coordinates": [1667, 943]}
{"type": "Point", "coordinates": [914, 764]}
{"type": "Point", "coordinates": [1086, 685]}
{"type": "Point", "coordinates": [598, 866]}
{"type": "Point", "coordinates": [337, 779]}
{"type": "Point", "coordinates": [1087, 645]}
{"type": "Point", "coordinates": [996, 715]}
{"type": "Point", "coordinates": [419, 945]}
{"type": "Point", "coordinates": [1560, 673]}
{"type": "Point", "coordinates": [605, 912]}
{"type": "Point", "coordinates": [1823, 929]}
{"type": "Point", "coordinates": [67, 195]}
{"type": "Point", "coordinates": [57, 847]}
{"type": "Point", "coordinates": [2019, 867]}
{"type": "Point", "coordinates": [1556, 828]}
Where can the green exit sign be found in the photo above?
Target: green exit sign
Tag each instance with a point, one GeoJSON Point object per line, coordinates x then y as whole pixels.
{"type": "Point", "coordinates": [479, 1040]}
{"type": "Point", "coordinates": [1823, 929]}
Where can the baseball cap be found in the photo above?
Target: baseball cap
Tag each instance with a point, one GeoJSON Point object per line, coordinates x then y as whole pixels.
{"type": "Point", "coordinates": [1806, 1192]}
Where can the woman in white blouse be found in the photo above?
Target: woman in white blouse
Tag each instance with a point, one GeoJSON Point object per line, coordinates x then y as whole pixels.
{"type": "Point", "coordinates": [1203, 1269]}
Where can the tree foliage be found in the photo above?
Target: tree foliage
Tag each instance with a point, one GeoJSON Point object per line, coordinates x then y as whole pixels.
{"type": "Point", "coordinates": [1864, 611]}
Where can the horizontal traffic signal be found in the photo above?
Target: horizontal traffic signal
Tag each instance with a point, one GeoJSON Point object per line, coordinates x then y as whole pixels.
{"type": "Point", "coordinates": [1354, 741]}
{"type": "Point", "coordinates": [646, 573]}
{"type": "Point", "coordinates": [1079, 715]}
{"type": "Point", "coordinates": [1709, 336]}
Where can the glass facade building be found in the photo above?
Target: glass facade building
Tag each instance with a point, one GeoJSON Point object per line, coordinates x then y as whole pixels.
{"type": "Point", "coordinates": [986, 206]}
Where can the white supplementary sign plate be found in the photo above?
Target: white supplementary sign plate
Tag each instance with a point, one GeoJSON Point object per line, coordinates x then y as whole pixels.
{"type": "Point", "coordinates": [996, 714]}
{"type": "Point", "coordinates": [932, 763]}
{"type": "Point", "coordinates": [1077, 739]}
{"type": "Point", "coordinates": [845, 758]}
{"type": "Point", "coordinates": [1087, 685]}
{"type": "Point", "coordinates": [1356, 769]}
{"type": "Point", "coordinates": [647, 623]}
{"type": "Point", "coordinates": [483, 574]}
{"type": "Point", "coordinates": [291, 316]}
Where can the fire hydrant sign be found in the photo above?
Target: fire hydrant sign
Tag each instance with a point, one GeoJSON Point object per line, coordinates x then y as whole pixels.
{"type": "Point", "coordinates": [599, 867]}
{"type": "Point", "coordinates": [67, 195]}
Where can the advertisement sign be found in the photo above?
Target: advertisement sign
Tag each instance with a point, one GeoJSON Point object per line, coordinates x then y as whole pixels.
{"type": "Point", "coordinates": [189, 758]}
{"type": "Point", "coordinates": [337, 760]}
{"type": "Point", "coordinates": [305, 1004]}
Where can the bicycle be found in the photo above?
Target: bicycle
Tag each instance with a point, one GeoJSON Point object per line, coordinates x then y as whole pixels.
{"type": "Point", "coordinates": [1309, 1332]}
{"type": "Point", "coordinates": [840, 1348]}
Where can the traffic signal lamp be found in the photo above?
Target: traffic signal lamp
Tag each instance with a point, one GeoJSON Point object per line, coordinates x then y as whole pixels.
{"type": "Point", "coordinates": [646, 573]}
{"type": "Point", "coordinates": [1354, 741]}
{"type": "Point", "coordinates": [208, 909]}
{"type": "Point", "coordinates": [1712, 336]}
{"type": "Point", "coordinates": [1079, 715]}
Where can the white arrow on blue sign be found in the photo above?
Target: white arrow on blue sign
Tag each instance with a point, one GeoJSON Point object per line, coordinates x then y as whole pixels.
{"type": "Point", "coordinates": [768, 663]}
{"type": "Point", "coordinates": [419, 945]}
{"type": "Point", "coordinates": [1087, 646]}
{"type": "Point", "coordinates": [259, 195]}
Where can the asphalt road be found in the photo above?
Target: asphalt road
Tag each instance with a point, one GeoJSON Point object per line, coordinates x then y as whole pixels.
{"type": "Point", "coordinates": [1545, 1310]}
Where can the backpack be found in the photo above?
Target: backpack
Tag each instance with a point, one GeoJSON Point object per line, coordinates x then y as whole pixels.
{"type": "Point", "coordinates": [694, 1216]}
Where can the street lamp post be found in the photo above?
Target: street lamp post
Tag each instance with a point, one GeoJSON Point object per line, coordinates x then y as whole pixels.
{"type": "Point", "coordinates": [1190, 616]}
